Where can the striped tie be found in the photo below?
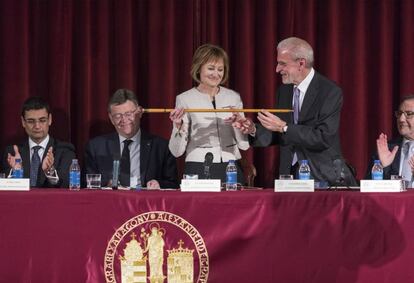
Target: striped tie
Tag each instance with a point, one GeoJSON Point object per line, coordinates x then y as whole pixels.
{"type": "Point", "coordinates": [34, 165]}
{"type": "Point", "coordinates": [296, 110]}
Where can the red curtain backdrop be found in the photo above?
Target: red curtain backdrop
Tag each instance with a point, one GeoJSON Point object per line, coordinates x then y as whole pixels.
{"type": "Point", "coordinates": [77, 53]}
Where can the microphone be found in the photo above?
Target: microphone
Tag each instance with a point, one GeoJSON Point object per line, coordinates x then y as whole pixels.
{"type": "Point", "coordinates": [115, 174]}
{"type": "Point", "coordinates": [208, 160]}
{"type": "Point", "coordinates": [338, 165]}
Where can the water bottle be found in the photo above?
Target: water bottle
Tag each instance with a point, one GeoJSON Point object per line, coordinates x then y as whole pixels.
{"type": "Point", "coordinates": [304, 170]}
{"type": "Point", "coordinates": [377, 171]}
{"type": "Point", "coordinates": [18, 168]}
{"type": "Point", "coordinates": [74, 175]}
{"type": "Point", "coordinates": [231, 176]}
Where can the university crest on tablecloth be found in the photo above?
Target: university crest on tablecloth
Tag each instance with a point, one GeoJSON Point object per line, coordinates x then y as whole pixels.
{"type": "Point", "coordinates": [156, 247]}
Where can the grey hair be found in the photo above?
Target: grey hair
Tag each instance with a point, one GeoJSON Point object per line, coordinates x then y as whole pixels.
{"type": "Point", "coordinates": [298, 48]}
{"type": "Point", "coordinates": [409, 96]}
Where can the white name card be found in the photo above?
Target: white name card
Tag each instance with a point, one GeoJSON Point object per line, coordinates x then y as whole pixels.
{"type": "Point", "coordinates": [294, 185]}
{"type": "Point", "coordinates": [10, 184]}
{"type": "Point", "coordinates": [201, 185]}
{"type": "Point", "coordinates": [381, 186]}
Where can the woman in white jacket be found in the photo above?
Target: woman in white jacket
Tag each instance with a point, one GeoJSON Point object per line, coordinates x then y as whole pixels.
{"type": "Point", "coordinates": [197, 134]}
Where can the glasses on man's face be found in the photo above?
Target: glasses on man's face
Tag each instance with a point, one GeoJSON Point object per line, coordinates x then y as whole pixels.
{"type": "Point", "coordinates": [408, 114]}
{"type": "Point", "coordinates": [32, 122]}
{"type": "Point", "coordinates": [127, 115]}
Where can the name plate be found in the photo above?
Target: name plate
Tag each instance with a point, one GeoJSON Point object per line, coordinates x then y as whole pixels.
{"type": "Point", "coordinates": [10, 184]}
{"type": "Point", "coordinates": [294, 185]}
{"type": "Point", "coordinates": [382, 186]}
{"type": "Point", "coordinates": [201, 185]}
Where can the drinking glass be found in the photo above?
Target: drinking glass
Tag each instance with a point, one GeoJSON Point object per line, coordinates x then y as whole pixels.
{"type": "Point", "coordinates": [285, 177]}
{"type": "Point", "coordinates": [190, 176]}
{"type": "Point", "coordinates": [93, 181]}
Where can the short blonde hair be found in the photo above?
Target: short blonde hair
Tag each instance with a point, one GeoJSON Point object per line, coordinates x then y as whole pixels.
{"type": "Point", "coordinates": [207, 53]}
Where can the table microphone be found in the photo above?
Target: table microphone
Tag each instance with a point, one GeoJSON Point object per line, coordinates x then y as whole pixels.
{"type": "Point", "coordinates": [115, 174]}
{"type": "Point", "coordinates": [339, 172]}
{"type": "Point", "coordinates": [208, 160]}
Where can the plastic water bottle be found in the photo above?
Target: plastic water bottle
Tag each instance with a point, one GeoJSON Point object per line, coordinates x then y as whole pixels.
{"type": "Point", "coordinates": [231, 176]}
{"type": "Point", "coordinates": [74, 175]}
{"type": "Point", "coordinates": [377, 171]}
{"type": "Point", "coordinates": [18, 168]}
{"type": "Point", "coordinates": [304, 170]}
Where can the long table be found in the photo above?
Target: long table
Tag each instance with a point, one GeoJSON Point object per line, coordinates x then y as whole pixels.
{"type": "Point", "coordinates": [249, 236]}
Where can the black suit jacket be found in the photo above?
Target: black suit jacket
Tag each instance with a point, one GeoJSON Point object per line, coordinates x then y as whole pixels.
{"type": "Point", "coordinates": [394, 167]}
{"type": "Point", "coordinates": [63, 154]}
{"type": "Point", "coordinates": [156, 160]}
{"type": "Point", "coordinates": [316, 136]}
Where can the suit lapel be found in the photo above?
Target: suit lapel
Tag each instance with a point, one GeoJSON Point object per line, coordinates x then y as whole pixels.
{"type": "Point", "coordinates": [285, 102]}
{"type": "Point", "coordinates": [145, 149]}
{"type": "Point", "coordinates": [395, 165]}
{"type": "Point", "coordinates": [41, 178]}
{"type": "Point", "coordinates": [310, 96]}
{"type": "Point", "coordinates": [114, 146]}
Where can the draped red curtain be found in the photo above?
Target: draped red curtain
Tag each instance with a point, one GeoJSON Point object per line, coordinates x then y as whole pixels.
{"type": "Point", "coordinates": [77, 53]}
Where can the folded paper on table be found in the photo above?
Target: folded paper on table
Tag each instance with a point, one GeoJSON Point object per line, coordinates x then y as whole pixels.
{"type": "Point", "coordinates": [201, 185]}
{"type": "Point", "coordinates": [11, 184]}
{"type": "Point", "coordinates": [382, 186]}
{"type": "Point", "coordinates": [294, 185]}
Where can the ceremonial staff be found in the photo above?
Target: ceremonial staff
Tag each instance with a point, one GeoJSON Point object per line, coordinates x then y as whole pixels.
{"type": "Point", "coordinates": [167, 110]}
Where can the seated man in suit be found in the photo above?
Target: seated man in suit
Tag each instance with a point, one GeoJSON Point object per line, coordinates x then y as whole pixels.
{"type": "Point", "coordinates": [396, 156]}
{"type": "Point", "coordinates": [141, 154]}
{"type": "Point", "coordinates": [46, 161]}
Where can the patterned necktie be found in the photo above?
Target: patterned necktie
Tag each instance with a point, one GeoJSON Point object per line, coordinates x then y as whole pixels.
{"type": "Point", "coordinates": [296, 101]}
{"type": "Point", "coordinates": [296, 110]}
{"type": "Point", "coordinates": [124, 177]}
{"type": "Point", "coordinates": [34, 165]}
{"type": "Point", "coordinates": [406, 169]}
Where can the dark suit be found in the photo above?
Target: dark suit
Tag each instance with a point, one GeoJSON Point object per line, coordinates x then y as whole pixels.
{"type": "Point", "coordinates": [63, 154]}
{"type": "Point", "coordinates": [394, 167]}
{"type": "Point", "coordinates": [156, 161]}
{"type": "Point", "coordinates": [316, 136]}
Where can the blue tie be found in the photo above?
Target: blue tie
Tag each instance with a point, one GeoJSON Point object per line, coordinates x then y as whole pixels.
{"type": "Point", "coordinates": [34, 165]}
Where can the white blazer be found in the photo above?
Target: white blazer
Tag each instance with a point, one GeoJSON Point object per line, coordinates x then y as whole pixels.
{"type": "Point", "coordinates": [206, 132]}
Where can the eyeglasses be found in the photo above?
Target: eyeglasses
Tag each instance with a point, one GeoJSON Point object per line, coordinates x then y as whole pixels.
{"type": "Point", "coordinates": [408, 114]}
{"type": "Point", "coordinates": [127, 115]}
{"type": "Point", "coordinates": [32, 122]}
